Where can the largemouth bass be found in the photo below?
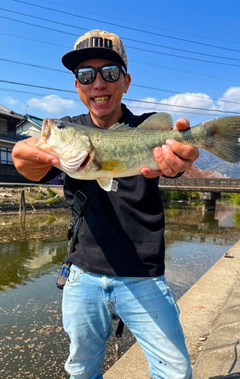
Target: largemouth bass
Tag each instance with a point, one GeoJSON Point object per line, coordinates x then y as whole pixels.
{"type": "Point", "coordinates": [120, 151]}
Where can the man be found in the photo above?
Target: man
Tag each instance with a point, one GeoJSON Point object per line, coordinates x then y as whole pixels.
{"type": "Point", "coordinates": [118, 258]}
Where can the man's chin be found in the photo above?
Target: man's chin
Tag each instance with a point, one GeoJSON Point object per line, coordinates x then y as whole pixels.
{"type": "Point", "coordinates": [103, 116]}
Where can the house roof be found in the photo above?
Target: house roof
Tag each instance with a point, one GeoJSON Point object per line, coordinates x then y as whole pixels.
{"type": "Point", "coordinates": [34, 119]}
{"type": "Point", "coordinates": [11, 137]}
{"type": "Point", "coordinates": [8, 112]}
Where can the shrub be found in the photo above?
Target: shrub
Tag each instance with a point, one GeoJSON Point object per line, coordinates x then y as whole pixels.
{"type": "Point", "coordinates": [51, 192]}
{"type": "Point", "coordinates": [53, 200]}
{"type": "Point", "coordinates": [175, 195]}
{"type": "Point", "coordinates": [235, 197]}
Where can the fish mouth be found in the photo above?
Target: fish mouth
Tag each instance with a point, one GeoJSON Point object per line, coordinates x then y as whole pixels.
{"type": "Point", "coordinates": [84, 164]}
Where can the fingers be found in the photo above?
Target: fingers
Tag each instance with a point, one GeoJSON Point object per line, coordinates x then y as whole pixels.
{"type": "Point", "coordinates": [26, 150]}
{"type": "Point", "coordinates": [172, 158]}
{"type": "Point", "coordinates": [182, 123]}
{"type": "Point", "coordinates": [148, 173]}
{"type": "Point", "coordinates": [169, 163]}
{"type": "Point", "coordinates": [30, 161]}
{"type": "Point", "coordinates": [183, 151]}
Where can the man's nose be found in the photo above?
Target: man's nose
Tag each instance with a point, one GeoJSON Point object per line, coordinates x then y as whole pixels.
{"type": "Point", "coordinates": [99, 82]}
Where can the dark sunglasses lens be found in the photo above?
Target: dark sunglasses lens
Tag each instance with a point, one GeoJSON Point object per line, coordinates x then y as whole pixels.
{"type": "Point", "coordinates": [86, 75]}
{"type": "Point", "coordinates": [110, 73]}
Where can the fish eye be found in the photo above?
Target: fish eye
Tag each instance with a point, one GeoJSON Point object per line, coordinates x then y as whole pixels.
{"type": "Point", "coordinates": [60, 125]}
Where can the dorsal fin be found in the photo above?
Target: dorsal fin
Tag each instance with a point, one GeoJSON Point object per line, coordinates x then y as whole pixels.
{"type": "Point", "coordinates": [119, 126]}
{"type": "Point", "coordinates": [161, 120]}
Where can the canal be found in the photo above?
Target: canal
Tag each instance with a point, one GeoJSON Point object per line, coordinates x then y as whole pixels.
{"type": "Point", "coordinates": [32, 341]}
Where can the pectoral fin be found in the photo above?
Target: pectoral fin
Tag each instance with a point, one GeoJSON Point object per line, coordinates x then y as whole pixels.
{"type": "Point", "coordinates": [108, 184]}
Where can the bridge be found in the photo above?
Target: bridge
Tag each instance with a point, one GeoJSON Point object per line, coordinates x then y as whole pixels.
{"type": "Point", "coordinates": [200, 184]}
{"type": "Point", "coordinates": [210, 188]}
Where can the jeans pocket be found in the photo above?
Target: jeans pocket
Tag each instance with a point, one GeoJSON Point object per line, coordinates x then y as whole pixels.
{"type": "Point", "coordinates": [74, 274]}
{"type": "Point", "coordinates": [169, 295]}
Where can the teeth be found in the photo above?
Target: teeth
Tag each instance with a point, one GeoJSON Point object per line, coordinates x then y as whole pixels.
{"type": "Point", "coordinates": [100, 99]}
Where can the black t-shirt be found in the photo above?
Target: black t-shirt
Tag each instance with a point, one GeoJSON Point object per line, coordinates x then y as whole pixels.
{"type": "Point", "coordinates": [122, 233]}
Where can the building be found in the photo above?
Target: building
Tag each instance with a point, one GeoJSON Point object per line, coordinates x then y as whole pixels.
{"type": "Point", "coordinates": [30, 126]}
{"type": "Point", "coordinates": [13, 128]}
{"type": "Point", "coordinates": [8, 137]}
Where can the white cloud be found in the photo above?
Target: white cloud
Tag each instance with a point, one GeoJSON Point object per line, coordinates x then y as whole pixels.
{"type": "Point", "coordinates": [185, 102]}
{"type": "Point", "coordinates": [52, 104]}
{"type": "Point", "coordinates": [232, 95]}
{"type": "Point", "coordinates": [190, 103]}
{"type": "Point", "coordinates": [10, 101]}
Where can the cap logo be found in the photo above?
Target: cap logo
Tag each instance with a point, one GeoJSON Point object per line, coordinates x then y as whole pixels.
{"type": "Point", "coordinates": [95, 42]}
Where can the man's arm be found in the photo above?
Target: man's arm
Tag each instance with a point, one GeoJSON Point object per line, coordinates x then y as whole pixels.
{"type": "Point", "coordinates": [173, 157]}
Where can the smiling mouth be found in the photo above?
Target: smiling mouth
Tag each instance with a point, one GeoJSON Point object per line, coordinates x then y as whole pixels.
{"type": "Point", "coordinates": [100, 99]}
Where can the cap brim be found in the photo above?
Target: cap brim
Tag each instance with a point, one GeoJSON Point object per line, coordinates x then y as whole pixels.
{"type": "Point", "coordinates": [72, 59]}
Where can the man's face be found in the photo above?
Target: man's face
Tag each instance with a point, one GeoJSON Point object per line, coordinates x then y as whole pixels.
{"type": "Point", "coordinates": [102, 98]}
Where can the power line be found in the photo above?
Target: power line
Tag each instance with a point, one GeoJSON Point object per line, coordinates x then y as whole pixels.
{"type": "Point", "coordinates": [140, 49]}
{"type": "Point", "coordinates": [132, 100]}
{"type": "Point", "coordinates": [127, 27]}
{"type": "Point", "coordinates": [127, 100]}
{"type": "Point", "coordinates": [36, 86]}
{"type": "Point", "coordinates": [131, 47]}
{"type": "Point", "coordinates": [34, 93]}
{"type": "Point", "coordinates": [33, 39]}
{"type": "Point", "coordinates": [192, 95]}
{"type": "Point", "coordinates": [132, 21]}
{"type": "Point", "coordinates": [132, 60]}
{"type": "Point", "coordinates": [34, 65]}
{"type": "Point", "coordinates": [181, 106]}
{"type": "Point", "coordinates": [41, 27]}
{"type": "Point", "coordinates": [134, 85]}
{"type": "Point", "coordinates": [129, 39]}
{"type": "Point", "coordinates": [187, 71]}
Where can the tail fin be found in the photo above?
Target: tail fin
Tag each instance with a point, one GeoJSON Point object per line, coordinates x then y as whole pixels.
{"type": "Point", "coordinates": [224, 138]}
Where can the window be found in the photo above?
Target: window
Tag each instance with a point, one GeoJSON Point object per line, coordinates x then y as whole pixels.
{"type": "Point", "coordinates": [6, 156]}
{"type": "Point", "coordinates": [3, 126]}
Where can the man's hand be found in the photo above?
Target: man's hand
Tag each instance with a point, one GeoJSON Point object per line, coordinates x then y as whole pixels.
{"type": "Point", "coordinates": [30, 161]}
{"type": "Point", "coordinates": [173, 157]}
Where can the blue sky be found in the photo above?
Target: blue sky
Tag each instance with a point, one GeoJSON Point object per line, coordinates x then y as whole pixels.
{"type": "Point", "coordinates": [184, 56]}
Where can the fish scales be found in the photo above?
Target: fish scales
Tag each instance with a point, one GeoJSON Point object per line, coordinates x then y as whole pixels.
{"type": "Point", "coordinates": [129, 146]}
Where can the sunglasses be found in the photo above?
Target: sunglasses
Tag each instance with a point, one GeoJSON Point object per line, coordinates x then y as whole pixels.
{"type": "Point", "coordinates": [109, 73]}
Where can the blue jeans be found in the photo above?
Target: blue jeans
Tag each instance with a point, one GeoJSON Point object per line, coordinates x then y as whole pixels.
{"type": "Point", "coordinates": [147, 308]}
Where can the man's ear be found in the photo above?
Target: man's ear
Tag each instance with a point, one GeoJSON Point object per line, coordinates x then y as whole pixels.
{"type": "Point", "coordinates": [127, 81]}
{"type": "Point", "coordinates": [76, 83]}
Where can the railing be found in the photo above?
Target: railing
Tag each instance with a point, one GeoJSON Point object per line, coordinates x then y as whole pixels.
{"type": "Point", "coordinates": [179, 184]}
{"type": "Point", "coordinates": [200, 184]}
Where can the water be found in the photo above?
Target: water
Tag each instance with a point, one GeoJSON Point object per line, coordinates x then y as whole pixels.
{"type": "Point", "coordinates": [32, 341]}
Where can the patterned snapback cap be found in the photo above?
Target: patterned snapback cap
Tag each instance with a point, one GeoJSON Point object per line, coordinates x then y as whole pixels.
{"type": "Point", "coordinates": [96, 44]}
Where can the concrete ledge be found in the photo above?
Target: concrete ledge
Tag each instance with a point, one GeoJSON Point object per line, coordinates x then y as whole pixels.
{"type": "Point", "coordinates": [201, 308]}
